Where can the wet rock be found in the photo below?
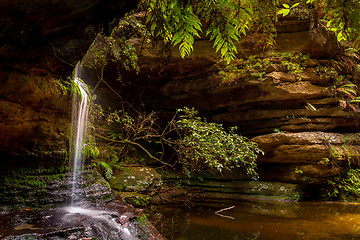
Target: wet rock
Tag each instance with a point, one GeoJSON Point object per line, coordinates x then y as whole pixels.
{"type": "Point", "coordinates": [298, 173]}
{"type": "Point", "coordinates": [51, 188]}
{"type": "Point", "coordinates": [306, 157]}
{"type": "Point", "coordinates": [234, 185]}
{"type": "Point", "coordinates": [136, 179]}
{"type": "Point", "coordinates": [74, 223]}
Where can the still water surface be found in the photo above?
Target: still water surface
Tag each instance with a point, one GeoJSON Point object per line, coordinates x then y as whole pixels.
{"type": "Point", "coordinates": [258, 221]}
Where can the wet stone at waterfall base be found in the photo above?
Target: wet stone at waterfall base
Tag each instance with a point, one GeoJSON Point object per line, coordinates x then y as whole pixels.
{"type": "Point", "coordinates": [115, 221]}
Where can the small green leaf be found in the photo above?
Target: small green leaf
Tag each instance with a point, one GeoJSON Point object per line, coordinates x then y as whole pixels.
{"type": "Point", "coordinates": [310, 107]}
{"type": "Point", "coordinates": [328, 23]}
{"type": "Point", "coordinates": [284, 12]}
{"type": "Point", "coordinates": [296, 4]}
{"type": "Point", "coordinates": [153, 26]}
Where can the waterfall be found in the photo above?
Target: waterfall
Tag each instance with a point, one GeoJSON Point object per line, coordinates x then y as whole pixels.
{"type": "Point", "coordinates": [80, 114]}
{"type": "Point", "coordinates": [104, 224]}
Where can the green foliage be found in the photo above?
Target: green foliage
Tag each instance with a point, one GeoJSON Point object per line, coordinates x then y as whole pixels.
{"type": "Point", "coordinates": [91, 151]}
{"type": "Point", "coordinates": [188, 25]}
{"type": "Point", "coordinates": [199, 145]}
{"type": "Point", "coordinates": [342, 17]}
{"type": "Point", "coordinates": [116, 48]}
{"type": "Point", "coordinates": [257, 65]}
{"type": "Point", "coordinates": [137, 200]}
{"type": "Point", "coordinates": [108, 172]}
{"type": "Point", "coordinates": [286, 10]}
{"type": "Point", "coordinates": [263, 19]}
{"type": "Point", "coordinates": [298, 171]}
{"type": "Point", "coordinates": [276, 130]}
{"type": "Point", "coordinates": [179, 22]}
{"type": "Point", "coordinates": [345, 88]}
{"type": "Point", "coordinates": [206, 144]}
{"type": "Point", "coordinates": [348, 184]}
{"type": "Point", "coordinates": [225, 21]}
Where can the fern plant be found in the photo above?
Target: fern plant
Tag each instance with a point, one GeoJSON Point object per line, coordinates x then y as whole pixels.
{"type": "Point", "coordinates": [187, 27]}
{"type": "Point", "coordinates": [106, 169]}
{"type": "Point", "coordinates": [180, 22]}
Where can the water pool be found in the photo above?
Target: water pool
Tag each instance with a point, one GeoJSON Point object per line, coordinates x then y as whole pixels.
{"type": "Point", "coordinates": [258, 220]}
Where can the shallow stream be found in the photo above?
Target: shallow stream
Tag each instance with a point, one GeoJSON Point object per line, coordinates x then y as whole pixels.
{"type": "Point", "coordinates": [258, 220]}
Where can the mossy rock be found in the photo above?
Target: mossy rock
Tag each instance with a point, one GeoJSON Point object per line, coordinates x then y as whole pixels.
{"type": "Point", "coordinates": [40, 188]}
{"type": "Point", "coordinates": [135, 199]}
{"type": "Point", "coordinates": [136, 179]}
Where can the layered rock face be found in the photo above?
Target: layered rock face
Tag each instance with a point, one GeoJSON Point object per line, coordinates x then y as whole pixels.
{"type": "Point", "coordinates": [256, 105]}
{"type": "Point", "coordinates": [307, 157]}
{"type": "Point", "coordinates": [259, 94]}
{"type": "Point", "coordinates": [293, 90]}
{"type": "Point", "coordinates": [35, 116]}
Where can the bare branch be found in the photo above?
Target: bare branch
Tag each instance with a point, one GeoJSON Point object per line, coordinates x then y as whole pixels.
{"type": "Point", "coordinates": [136, 144]}
{"type": "Point", "coordinates": [224, 209]}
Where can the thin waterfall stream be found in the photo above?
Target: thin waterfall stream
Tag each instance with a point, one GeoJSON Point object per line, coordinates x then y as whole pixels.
{"type": "Point", "coordinates": [79, 119]}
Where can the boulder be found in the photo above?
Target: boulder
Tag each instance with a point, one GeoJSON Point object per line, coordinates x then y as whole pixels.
{"type": "Point", "coordinates": [136, 179]}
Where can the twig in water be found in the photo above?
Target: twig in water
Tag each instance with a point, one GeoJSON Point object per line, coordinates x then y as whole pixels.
{"type": "Point", "coordinates": [224, 209]}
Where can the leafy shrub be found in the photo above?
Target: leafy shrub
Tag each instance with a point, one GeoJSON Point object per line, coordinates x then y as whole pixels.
{"type": "Point", "coordinates": [205, 144]}
{"type": "Point", "coordinates": [198, 144]}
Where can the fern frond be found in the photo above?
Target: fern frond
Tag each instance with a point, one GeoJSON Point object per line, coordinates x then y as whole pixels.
{"type": "Point", "coordinates": [187, 27]}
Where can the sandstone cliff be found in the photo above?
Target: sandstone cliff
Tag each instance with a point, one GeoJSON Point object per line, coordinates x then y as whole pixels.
{"type": "Point", "coordinates": [41, 41]}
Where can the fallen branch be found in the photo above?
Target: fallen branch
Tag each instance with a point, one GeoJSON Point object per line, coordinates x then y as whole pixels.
{"type": "Point", "coordinates": [224, 209]}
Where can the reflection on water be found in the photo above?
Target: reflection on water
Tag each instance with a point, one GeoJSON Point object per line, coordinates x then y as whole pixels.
{"type": "Point", "coordinates": [259, 220]}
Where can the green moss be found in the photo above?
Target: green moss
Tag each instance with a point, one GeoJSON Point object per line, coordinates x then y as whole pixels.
{"type": "Point", "coordinates": [135, 199]}
{"type": "Point", "coordinates": [64, 86]}
{"type": "Point", "coordinates": [91, 151]}
{"type": "Point", "coordinates": [257, 66]}
{"type": "Point", "coordinates": [28, 179]}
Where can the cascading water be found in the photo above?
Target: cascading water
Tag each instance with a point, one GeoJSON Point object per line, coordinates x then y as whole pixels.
{"type": "Point", "coordinates": [104, 224]}
{"type": "Point", "coordinates": [79, 121]}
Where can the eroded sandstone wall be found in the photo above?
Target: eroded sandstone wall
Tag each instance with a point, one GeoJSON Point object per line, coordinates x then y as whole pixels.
{"type": "Point", "coordinates": [297, 114]}
{"type": "Point", "coordinates": [41, 41]}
